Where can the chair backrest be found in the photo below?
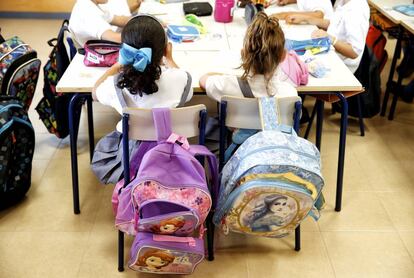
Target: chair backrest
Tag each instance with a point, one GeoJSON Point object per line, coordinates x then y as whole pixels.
{"type": "Point", "coordinates": [185, 122]}
{"type": "Point", "coordinates": [244, 112]}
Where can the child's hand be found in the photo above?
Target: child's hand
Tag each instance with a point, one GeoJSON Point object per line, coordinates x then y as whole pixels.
{"type": "Point", "coordinates": [319, 34]}
{"type": "Point", "coordinates": [296, 19]}
{"type": "Point", "coordinates": [284, 2]}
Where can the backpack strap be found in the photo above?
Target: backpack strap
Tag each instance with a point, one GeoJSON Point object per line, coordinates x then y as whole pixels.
{"type": "Point", "coordinates": [162, 122]}
{"type": "Point", "coordinates": [186, 91]}
{"type": "Point", "coordinates": [119, 93]}
{"type": "Point", "coordinates": [199, 150]}
{"type": "Point", "coordinates": [269, 115]}
{"type": "Point", "coordinates": [245, 88]}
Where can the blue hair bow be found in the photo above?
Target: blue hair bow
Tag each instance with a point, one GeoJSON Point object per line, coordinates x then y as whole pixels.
{"type": "Point", "coordinates": [138, 58]}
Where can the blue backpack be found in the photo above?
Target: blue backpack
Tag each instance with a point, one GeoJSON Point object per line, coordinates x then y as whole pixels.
{"type": "Point", "coordinates": [17, 142]}
{"type": "Point", "coordinates": [272, 182]}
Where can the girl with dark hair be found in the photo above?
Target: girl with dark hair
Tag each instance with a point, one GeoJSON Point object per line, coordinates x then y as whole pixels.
{"type": "Point", "coordinates": [145, 76]}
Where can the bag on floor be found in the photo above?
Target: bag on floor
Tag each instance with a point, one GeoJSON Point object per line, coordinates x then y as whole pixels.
{"type": "Point", "coordinates": [272, 182]}
{"type": "Point", "coordinates": [19, 70]}
{"type": "Point", "coordinates": [377, 41]}
{"type": "Point", "coordinates": [163, 254]}
{"type": "Point", "coordinates": [169, 194]}
{"type": "Point", "coordinates": [17, 142]}
{"type": "Point", "coordinates": [53, 108]}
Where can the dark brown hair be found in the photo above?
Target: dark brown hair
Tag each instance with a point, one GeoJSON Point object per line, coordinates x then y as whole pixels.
{"type": "Point", "coordinates": [143, 31]}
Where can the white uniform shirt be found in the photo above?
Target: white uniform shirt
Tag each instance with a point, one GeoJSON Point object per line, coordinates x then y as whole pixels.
{"type": "Point", "coordinates": [324, 6]}
{"type": "Point", "coordinates": [89, 22]}
{"type": "Point", "coordinates": [170, 90]}
{"type": "Point", "coordinates": [350, 23]}
{"type": "Point", "coordinates": [227, 85]}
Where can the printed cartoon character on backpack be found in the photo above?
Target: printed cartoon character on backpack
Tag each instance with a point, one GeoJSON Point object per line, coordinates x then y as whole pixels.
{"type": "Point", "coordinates": [154, 260]}
{"type": "Point", "coordinates": [270, 213]}
{"type": "Point", "coordinates": [168, 226]}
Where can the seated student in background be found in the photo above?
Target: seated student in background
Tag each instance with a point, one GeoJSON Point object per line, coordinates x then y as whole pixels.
{"type": "Point", "coordinates": [146, 76]}
{"type": "Point", "coordinates": [316, 8]}
{"type": "Point", "coordinates": [263, 51]}
{"type": "Point", "coordinates": [98, 19]}
{"type": "Point", "coordinates": [347, 29]}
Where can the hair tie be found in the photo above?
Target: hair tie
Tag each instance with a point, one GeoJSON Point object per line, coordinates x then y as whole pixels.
{"type": "Point", "coordinates": [138, 58]}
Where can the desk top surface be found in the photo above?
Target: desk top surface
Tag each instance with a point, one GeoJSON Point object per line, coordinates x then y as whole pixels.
{"type": "Point", "coordinates": [386, 8]}
{"type": "Point", "coordinates": [219, 50]}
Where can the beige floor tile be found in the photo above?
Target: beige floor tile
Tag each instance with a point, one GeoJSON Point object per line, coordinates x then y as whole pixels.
{"type": "Point", "coordinates": [368, 254]}
{"type": "Point", "coordinates": [38, 169]}
{"type": "Point", "coordinates": [361, 211]}
{"type": "Point", "coordinates": [53, 211]}
{"type": "Point", "coordinates": [408, 239]}
{"type": "Point", "coordinates": [274, 259]}
{"type": "Point", "coordinates": [45, 146]}
{"type": "Point", "coordinates": [400, 207]}
{"type": "Point", "coordinates": [43, 254]}
{"type": "Point", "coordinates": [11, 217]}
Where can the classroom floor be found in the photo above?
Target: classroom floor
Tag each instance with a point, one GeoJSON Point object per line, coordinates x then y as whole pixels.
{"type": "Point", "coordinates": [373, 235]}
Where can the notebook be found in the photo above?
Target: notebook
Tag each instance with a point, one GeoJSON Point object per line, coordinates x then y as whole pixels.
{"type": "Point", "coordinates": [405, 9]}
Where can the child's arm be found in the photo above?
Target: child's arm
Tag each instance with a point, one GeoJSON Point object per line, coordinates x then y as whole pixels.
{"type": "Point", "coordinates": [111, 71]}
{"type": "Point", "coordinates": [284, 15]}
{"type": "Point", "coordinates": [203, 79]}
{"type": "Point", "coordinates": [120, 20]}
{"type": "Point", "coordinates": [285, 2]}
{"type": "Point", "coordinates": [341, 46]}
{"type": "Point", "coordinates": [110, 35]}
{"type": "Point", "coordinates": [307, 19]}
{"type": "Point", "coordinates": [134, 5]}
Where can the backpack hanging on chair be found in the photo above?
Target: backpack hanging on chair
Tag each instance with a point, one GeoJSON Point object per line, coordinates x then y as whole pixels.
{"type": "Point", "coordinates": [272, 181]}
{"type": "Point", "coordinates": [53, 108]}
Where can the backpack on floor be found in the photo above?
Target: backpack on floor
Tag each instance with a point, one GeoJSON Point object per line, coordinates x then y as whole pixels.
{"type": "Point", "coordinates": [19, 70]}
{"type": "Point", "coordinates": [272, 181]}
{"type": "Point", "coordinates": [17, 142]}
{"type": "Point", "coordinates": [169, 194]}
{"type": "Point", "coordinates": [53, 108]}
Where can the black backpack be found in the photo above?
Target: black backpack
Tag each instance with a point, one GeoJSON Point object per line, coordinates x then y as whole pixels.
{"type": "Point", "coordinates": [17, 142]}
{"type": "Point", "coordinates": [53, 107]}
{"type": "Point", "coordinates": [368, 73]}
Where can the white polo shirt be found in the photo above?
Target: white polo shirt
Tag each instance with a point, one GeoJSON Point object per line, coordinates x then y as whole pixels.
{"type": "Point", "coordinates": [324, 6]}
{"type": "Point", "coordinates": [89, 22]}
{"type": "Point", "coordinates": [227, 85]}
{"type": "Point", "coordinates": [170, 90]}
{"type": "Point", "coordinates": [350, 23]}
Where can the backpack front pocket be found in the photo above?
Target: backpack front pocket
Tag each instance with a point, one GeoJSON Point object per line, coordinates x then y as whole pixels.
{"type": "Point", "coordinates": [166, 217]}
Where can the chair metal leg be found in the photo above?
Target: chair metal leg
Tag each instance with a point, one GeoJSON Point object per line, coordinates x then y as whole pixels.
{"type": "Point", "coordinates": [210, 236]}
{"type": "Point", "coordinates": [223, 135]}
{"type": "Point", "coordinates": [90, 127]}
{"type": "Point", "coordinates": [308, 128]}
{"type": "Point", "coordinates": [120, 251]}
{"type": "Point", "coordinates": [341, 155]}
{"type": "Point", "coordinates": [397, 55]}
{"type": "Point", "coordinates": [319, 122]}
{"type": "Point", "coordinates": [395, 98]}
{"type": "Point", "coordinates": [74, 118]}
{"type": "Point", "coordinates": [360, 118]}
{"type": "Point", "coordinates": [297, 238]}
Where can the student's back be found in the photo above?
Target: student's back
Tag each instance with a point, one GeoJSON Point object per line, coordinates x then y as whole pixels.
{"type": "Point", "coordinates": [262, 53]}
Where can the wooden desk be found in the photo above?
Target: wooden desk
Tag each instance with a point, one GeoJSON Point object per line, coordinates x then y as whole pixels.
{"type": "Point", "coordinates": [404, 22]}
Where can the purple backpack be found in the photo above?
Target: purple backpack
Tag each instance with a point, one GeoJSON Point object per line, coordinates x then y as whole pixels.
{"type": "Point", "coordinates": [169, 194]}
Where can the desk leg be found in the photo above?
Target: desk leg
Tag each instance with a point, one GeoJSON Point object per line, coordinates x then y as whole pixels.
{"type": "Point", "coordinates": [319, 122]}
{"type": "Point", "coordinates": [90, 127]}
{"type": "Point", "coordinates": [75, 106]}
{"type": "Point", "coordinates": [341, 156]}
{"type": "Point", "coordinates": [395, 98]}
{"type": "Point", "coordinates": [397, 54]}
